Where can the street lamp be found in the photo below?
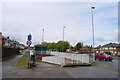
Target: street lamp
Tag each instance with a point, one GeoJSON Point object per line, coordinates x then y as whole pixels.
{"type": "Point", "coordinates": [92, 8]}
{"type": "Point", "coordinates": [42, 35]}
{"type": "Point", "coordinates": [63, 37]}
{"type": "Point", "coordinates": [42, 41]}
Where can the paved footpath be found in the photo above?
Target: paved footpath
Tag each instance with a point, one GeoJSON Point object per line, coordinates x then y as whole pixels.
{"type": "Point", "coordinates": [45, 70]}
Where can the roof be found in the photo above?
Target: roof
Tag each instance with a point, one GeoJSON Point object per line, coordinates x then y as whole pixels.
{"type": "Point", "coordinates": [110, 45]}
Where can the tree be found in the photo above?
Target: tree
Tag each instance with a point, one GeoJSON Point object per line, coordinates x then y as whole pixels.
{"type": "Point", "coordinates": [62, 45]}
{"type": "Point", "coordinates": [37, 45]}
{"type": "Point", "coordinates": [52, 45]}
{"type": "Point", "coordinates": [79, 45]}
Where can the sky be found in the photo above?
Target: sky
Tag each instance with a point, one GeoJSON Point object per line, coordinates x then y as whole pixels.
{"type": "Point", "coordinates": [22, 18]}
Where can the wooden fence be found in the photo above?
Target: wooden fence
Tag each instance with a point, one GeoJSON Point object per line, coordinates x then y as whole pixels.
{"type": "Point", "coordinates": [7, 52]}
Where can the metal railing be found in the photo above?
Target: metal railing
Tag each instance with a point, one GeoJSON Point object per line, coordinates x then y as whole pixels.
{"type": "Point", "coordinates": [41, 52]}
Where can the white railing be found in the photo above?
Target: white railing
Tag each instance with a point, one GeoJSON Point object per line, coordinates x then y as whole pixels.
{"type": "Point", "coordinates": [63, 58]}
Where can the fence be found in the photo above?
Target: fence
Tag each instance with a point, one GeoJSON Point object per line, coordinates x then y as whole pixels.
{"type": "Point", "coordinates": [7, 52]}
{"type": "Point", "coordinates": [42, 52]}
{"type": "Point", "coordinates": [66, 58]}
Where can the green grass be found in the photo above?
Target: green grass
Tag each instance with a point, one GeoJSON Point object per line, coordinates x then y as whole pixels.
{"type": "Point", "coordinates": [22, 61]}
{"type": "Point", "coordinates": [116, 57]}
{"type": "Point", "coordinates": [93, 64]}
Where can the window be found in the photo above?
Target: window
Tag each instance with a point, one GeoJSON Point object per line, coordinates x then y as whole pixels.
{"type": "Point", "coordinates": [114, 48]}
{"type": "Point", "coordinates": [110, 47]}
{"type": "Point", "coordinates": [106, 48]}
{"type": "Point", "coordinates": [111, 51]}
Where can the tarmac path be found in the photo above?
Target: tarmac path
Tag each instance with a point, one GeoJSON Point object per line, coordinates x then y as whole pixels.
{"type": "Point", "coordinates": [45, 70]}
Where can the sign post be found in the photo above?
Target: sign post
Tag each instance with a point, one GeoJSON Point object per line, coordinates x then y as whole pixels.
{"type": "Point", "coordinates": [29, 42]}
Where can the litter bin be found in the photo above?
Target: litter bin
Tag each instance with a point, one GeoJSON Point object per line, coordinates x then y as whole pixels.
{"type": "Point", "coordinates": [31, 60]}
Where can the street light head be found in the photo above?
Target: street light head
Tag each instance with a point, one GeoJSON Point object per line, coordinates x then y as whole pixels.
{"type": "Point", "coordinates": [93, 7]}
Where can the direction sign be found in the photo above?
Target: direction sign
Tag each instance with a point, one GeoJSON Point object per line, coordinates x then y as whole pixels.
{"type": "Point", "coordinates": [29, 37]}
{"type": "Point", "coordinates": [28, 42]}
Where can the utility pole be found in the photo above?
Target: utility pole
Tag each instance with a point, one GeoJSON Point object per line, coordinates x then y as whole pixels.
{"type": "Point", "coordinates": [63, 37]}
{"type": "Point", "coordinates": [42, 35]}
{"type": "Point", "coordinates": [42, 41]}
{"type": "Point", "coordinates": [92, 8]}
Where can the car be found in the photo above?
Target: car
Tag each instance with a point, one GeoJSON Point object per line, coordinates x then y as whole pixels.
{"type": "Point", "coordinates": [103, 56]}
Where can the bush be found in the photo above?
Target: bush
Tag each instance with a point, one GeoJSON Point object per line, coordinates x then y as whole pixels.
{"type": "Point", "coordinates": [107, 52]}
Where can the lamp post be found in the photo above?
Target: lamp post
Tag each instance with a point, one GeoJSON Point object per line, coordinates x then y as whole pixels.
{"type": "Point", "coordinates": [42, 35]}
{"type": "Point", "coordinates": [42, 41]}
{"type": "Point", "coordinates": [63, 37]}
{"type": "Point", "coordinates": [92, 8]}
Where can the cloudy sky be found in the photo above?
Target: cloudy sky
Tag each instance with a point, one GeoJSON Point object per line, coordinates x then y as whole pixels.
{"type": "Point", "coordinates": [21, 18]}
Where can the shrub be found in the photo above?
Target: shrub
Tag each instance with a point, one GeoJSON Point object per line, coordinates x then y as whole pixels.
{"type": "Point", "coordinates": [107, 52]}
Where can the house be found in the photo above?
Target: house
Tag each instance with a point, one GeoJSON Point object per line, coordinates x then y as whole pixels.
{"type": "Point", "coordinates": [85, 49]}
{"type": "Point", "coordinates": [97, 49]}
{"type": "Point", "coordinates": [7, 42]}
{"type": "Point", "coordinates": [112, 47]}
{"type": "Point", "coordinates": [0, 38]}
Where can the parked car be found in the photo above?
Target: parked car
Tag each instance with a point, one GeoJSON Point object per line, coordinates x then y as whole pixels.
{"type": "Point", "coordinates": [103, 56]}
{"type": "Point", "coordinates": [91, 54]}
{"type": "Point", "coordinates": [118, 54]}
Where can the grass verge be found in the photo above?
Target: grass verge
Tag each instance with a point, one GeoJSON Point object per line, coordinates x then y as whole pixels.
{"type": "Point", "coordinates": [22, 61]}
{"type": "Point", "coordinates": [116, 57]}
{"type": "Point", "coordinates": [93, 64]}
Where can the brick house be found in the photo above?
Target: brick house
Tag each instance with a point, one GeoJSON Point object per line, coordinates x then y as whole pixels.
{"type": "Point", "coordinates": [112, 47]}
{"type": "Point", "coordinates": [85, 49]}
{"type": "Point", "coordinates": [6, 42]}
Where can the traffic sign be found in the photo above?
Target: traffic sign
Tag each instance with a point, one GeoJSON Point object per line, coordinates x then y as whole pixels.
{"type": "Point", "coordinates": [29, 37]}
{"type": "Point", "coordinates": [29, 42]}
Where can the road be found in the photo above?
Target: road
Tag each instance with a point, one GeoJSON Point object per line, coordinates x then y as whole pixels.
{"type": "Point", "coordinates": [114, 62]}
{"type": "Point", "coordinates": [45, 70]}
